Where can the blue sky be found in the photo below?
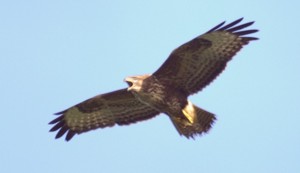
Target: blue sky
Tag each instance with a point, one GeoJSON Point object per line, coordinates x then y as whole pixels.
{"type": "Point", "coordinates": [54, 54]}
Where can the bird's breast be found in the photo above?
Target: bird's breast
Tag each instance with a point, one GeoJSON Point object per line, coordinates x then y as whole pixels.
{"type": "Point", "coordinates": [160, 97]}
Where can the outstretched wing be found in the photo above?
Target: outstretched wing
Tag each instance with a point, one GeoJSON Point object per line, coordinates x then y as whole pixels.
{"type": "Point", "coordinates": [118, 107]}
{"type": "Point", "coordinates": [198, 62]}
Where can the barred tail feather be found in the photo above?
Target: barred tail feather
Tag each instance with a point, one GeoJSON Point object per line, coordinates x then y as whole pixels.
{"type": "Point", "coordinates": [197, 121]}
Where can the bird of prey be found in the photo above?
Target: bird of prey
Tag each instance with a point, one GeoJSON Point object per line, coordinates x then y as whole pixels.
{"type": "Point", "coordinates": [187, 70]}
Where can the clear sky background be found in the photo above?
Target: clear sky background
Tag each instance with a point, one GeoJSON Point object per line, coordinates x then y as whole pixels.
{"type": "Point", "coordinates": [54, 54]}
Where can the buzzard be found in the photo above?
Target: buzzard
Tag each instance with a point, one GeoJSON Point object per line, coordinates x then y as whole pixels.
{"type": "Point", "coordinates": [188, 69]}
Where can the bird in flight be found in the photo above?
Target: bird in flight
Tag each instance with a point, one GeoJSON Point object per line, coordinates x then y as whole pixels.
{"type": "Point", "coordinates": [187, 70]}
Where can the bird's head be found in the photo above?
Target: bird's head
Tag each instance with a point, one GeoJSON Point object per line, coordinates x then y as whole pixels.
{"type": "Point", "coordinates": [135, 82]}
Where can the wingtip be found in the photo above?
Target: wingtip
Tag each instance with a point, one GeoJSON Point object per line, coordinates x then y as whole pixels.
{"type": "Point", "coordinates": [242, 18]}
{"type": "Point", "coordinates": [221, 26]}
{"type": "Point", "coordinates": [230, 25]}
{"type": "Point", "coordinates": [216, 27]}
{"type": "Point", "coordinates": [239, 20]}
{"type": "Point", "coordinates": [252, 38]}
{"type": "Point", "coordinates": [59, 113]}
{"type": "Point", "coordinates": [59, 124]}
{"type": "Point", "coordinates": [70, 135]}
{"type": "Point", "coordinates": [245, 32]}
{"type": "Point", "coordinates": [61, 132]}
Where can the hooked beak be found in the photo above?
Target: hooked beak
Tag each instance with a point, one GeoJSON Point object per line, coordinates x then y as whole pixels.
{"type": "Point", "coordinates": [128, 80]}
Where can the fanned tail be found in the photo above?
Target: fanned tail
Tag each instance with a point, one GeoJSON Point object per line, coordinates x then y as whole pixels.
{"type": "Point", "coordinates": [196, 122]}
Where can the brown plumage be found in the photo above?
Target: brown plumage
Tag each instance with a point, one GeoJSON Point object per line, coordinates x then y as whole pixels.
{"type": "Point", "coordinates": [189, 68]}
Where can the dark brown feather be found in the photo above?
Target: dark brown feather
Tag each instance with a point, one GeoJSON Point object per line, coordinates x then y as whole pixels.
{"type": "Point", "coordinates": [226, 27]}
{"type": "Point", "coordinates": [216, 27]}
{"type": "Point", "coordinates": [198, 62]}
{"type": "Point", "coordinates": [118, 107]}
